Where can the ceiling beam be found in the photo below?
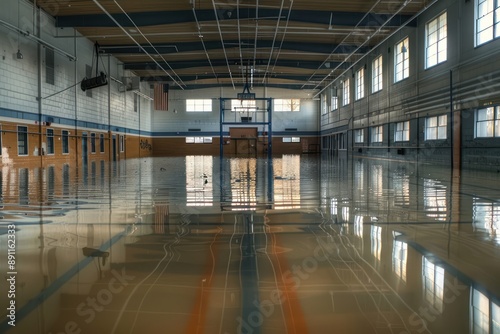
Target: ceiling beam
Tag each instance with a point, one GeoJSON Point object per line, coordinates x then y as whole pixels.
{"type": "Point", "coordinates": [325, 48]}
{"type": "Point", "coordinates": [222, 62]}
{"type": "Point", "coordinates": [143, 19]}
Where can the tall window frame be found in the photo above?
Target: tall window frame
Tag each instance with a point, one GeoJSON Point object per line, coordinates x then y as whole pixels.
{"type": "Point", "coordinates": [346, 93]}
{"type": "Point", "coordinates": [22, 140]}
{"type": "Point", "coordinates": [49, 133]}
{"type": "Point", "coordinates": [101, 143]}
{"type": "Point", "coordinates": [92, 142]}
{"type": "Point", "coordinates": [402, 60]}
{"type": "Point", "coordinates": [436, 127]}
{"type": "Point", "coordinates": [359, 136]}
{"type": "Point", "coordinates": [436, 41]}
{"type": "Point", "coordinates": [65, 141]}
{"type": "Point", "coordinates": [377, 134]}
{"type": "Point", "coordinates": [360, 83]}
{"type": "Point", "coordinates": [487, 21]}
{"type": "Point", "coordinates": [334, 104]}
{"type": "Point", "coordinates": [377, 76]}
{"type": "Point", "coordinates": [402, 131]}
{"type": "Point", "coordinates": [487, 122]}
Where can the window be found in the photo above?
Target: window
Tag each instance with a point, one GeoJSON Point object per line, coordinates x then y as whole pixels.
{"type": "Point", "coordinates": [198, 140]}
{"type": "Point", "coordinates": [335, 103]}
{"type": "Point", "coordinates": [122, 143]}
{"type": "Point", "coordinates": [347, 93]}
{"type": "Point", "coordinates": [324, 105]}
{"type": "Point", "coordinates": [65, 141]}
{"type": "Point", "coordinates": [435, 127]}
{"type": "Point", "coordinates": [360, 84]}
{"type": "Point", "coordinates": [436, 41]}
{"type": "Point", "coordinates": [377, 75]}
{"type": "Point", "coordinates": [376, 135]}
{"type": "Point", "coordinates": [22, 140]}
{"type": "Point", "coordinates": [199, 105]}
{"type": "Point", "coordinates": [101, 142]}
{"type": "Point", "coordinates": [487, 20]}
{"type": "Point", "coordinates": [92, 142]}
{"type": "Point", "coordinates": [402, 131]}
{"type": "Point", "coordinates": [284, 105]}
{"type": "Point", "coordinates": [291, 139]}
{"type": "Point", "coordinates": [488, 122]}
{"type": "Point", "coordinates": [402, 60]}
{"type": "Point", "coordinates": [50, 141]}
{"type": "Point", "coordinates": [359, 136]}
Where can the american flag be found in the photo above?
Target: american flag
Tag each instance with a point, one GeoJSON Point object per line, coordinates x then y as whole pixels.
{"type": "Point", "coordinates": [161, 96]}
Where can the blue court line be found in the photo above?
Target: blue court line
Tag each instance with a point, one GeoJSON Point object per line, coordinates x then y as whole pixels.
{"type": "Point", "coordinates": [56, 285]}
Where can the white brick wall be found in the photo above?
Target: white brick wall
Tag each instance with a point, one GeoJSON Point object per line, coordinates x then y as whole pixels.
{"type": "Point", "coordinates": [19, 79]}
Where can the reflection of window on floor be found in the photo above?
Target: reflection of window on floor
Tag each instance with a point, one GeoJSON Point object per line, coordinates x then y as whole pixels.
{"type": "Point", "coordinates": [433, 277]}
{"type": "Point", "coordinates": [486, 216]}
{"type": "Point", "coordinates": [287, 182]}
{"type": "Point", "coordinates": [199, 180]}
{"type": "Point", "coordinates": [24, 186]}
{"type": "Point", "coordinates": [333, 206]}
{"type": "Point", "coordinates": [345, 213]}
{"type": "Point", "coordinates": [243, 183]}
{"type": "Point", "coordinates": [485, 314]}
{"type": "Point", "coordinates": [399, 255]}
{"type": "Point", "coordinates": [358, 226]}
{"type": "Point", "coordinates": [376, 180]}
{"type": "Point", "coordinates": [359, 176]}
{"type": "Point", "coordinates": [435, 199]}
{"type": "Point", "coordinates": [376, 236]}
{"type": "Point", "coordinates": [401, 186]}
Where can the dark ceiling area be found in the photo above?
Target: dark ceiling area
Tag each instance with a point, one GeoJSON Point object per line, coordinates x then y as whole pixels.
{"type": "Point", "coordinates": [297, 44]}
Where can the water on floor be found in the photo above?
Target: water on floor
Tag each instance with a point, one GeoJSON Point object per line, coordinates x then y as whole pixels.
{"type": "Point", "coordinates": [297, 244]}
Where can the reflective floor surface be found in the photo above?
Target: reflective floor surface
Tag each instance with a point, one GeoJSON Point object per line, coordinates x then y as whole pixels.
{"type": "Point", "coordinates": [300, 244]}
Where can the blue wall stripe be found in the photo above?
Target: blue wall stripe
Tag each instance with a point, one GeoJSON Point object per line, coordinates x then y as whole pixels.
{"type": "Point", "coordinates": [24, 115]}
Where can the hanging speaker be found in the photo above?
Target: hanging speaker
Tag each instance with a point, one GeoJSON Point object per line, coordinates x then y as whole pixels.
{"type": "Point", "coordinates": [95, 82]}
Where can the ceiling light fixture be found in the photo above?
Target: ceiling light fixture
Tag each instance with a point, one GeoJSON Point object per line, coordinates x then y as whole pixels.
{"type": "Point", "coordinates": [19, 55]}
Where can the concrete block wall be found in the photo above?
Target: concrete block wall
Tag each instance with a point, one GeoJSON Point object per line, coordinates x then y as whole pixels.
{"type": "Point", "coordinates": [63, 105]}
{"type": "Point", "coordinates": [177, 122]}
{"type": "Point", "coordinates": [469, 77]}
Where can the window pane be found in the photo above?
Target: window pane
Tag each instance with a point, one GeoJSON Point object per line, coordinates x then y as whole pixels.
{"type": "Point", "coordinates": [443, 120]}
{"type": "Point", "coordinates": [495, 310]}
{"type": "Point", "coordinates": [436, 41]}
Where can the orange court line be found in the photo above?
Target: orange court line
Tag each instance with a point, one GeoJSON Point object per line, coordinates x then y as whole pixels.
{"type": "Point", "coordinates": [198, 315]}
{"type": "Point", "coordinates": [294, 316]}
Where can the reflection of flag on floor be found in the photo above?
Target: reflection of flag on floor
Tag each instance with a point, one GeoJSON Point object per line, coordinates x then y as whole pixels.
{"type": "Point", "coordinates": [161, 96]}
{"type": "Point", "coordinates": [161, 218]}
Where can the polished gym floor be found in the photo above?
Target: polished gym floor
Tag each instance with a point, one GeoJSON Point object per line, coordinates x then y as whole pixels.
{"type": "Point", "coordinates": [297, 244]}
